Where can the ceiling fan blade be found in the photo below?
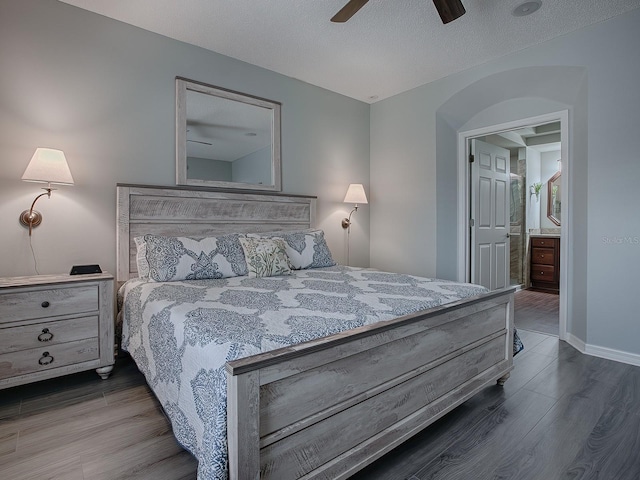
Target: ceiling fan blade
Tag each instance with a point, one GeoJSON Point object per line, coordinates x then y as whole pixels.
{"type": "Point", "coordinates": [348, 11]}
{"type": "Point", "coordinates": [449, 10]}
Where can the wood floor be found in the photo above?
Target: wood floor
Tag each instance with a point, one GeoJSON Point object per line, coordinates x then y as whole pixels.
{"type": "Point", "coordinates": [560, 415]}
{"type": "Point", "coordinates": [80, 427]}
{"type": "Point", "coordinates": [537, 311]}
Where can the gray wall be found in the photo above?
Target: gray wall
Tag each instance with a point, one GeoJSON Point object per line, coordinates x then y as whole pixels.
{"type": "Point", "coordinates": [594, 73]}
{"type": "Point", "coordinates": [104, 93]}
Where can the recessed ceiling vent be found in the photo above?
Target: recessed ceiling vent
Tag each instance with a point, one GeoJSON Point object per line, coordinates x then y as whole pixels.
{"type": "Point", "coordinates": [526, 8]}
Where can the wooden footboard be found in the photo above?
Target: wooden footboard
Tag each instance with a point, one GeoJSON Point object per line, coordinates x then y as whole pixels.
{"type": "Point", "coordinates": [327, 408]}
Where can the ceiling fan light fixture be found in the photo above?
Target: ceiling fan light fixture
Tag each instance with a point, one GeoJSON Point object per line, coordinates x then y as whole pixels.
{"type": "Point", "coordinates": [526, 8]}
{"type": "Point", "coordinates": [348, 11]}
{"type": "Point", "coordinates": [449, 10]}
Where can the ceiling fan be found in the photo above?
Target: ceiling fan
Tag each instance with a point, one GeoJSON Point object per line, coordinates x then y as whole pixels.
{"type": "Point", "coordinates": [449, 10]}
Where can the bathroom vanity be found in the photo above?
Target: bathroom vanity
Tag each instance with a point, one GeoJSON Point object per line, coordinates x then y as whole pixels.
{"type": "Point", "coordinates": [545, 263]}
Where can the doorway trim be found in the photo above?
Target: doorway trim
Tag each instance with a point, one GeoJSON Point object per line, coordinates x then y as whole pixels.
{"type": "Point", "coordinates": [464, 214]}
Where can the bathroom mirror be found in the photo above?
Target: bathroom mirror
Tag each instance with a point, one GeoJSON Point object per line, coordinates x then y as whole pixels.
{"type": "Point", "coordinates": [553, 199]}
{"type": "Point", "coordinates": [225, 138]}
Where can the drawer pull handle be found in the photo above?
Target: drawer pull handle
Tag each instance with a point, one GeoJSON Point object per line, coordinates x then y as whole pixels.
{"type": "Point", "coordinates": [541, 273]}
{"type": "Point", "coordinates": [45, 359]}
{"type": "Point", "coordinates": [45, 336]}
{"type": "Point", "coordinates": [45, 304]}
{"type": "Point", "coordinates": [541, 256]}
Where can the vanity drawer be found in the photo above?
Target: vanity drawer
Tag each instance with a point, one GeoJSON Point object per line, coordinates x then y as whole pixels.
{"type": "Point", "coordinates": [545, 256]}
{"type": "Point", "coordinates": [543, 242]}
{"type": "Point", "coordinates": [41, 335]}
{"type": "Point", "coordinates": [48, 357]}
{"type": "Point", "coordinates": [47, 302]}
{"type": "Point", "coordinates": [545, 273]}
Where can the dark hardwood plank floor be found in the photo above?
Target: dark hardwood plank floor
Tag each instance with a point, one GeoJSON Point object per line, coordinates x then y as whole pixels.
{"type": "Point", "coordinates": [82, 427]}
{"type": "Point", "coordinates": [561, 415]}
{"type": "Point", "coordinates": [537, 311]}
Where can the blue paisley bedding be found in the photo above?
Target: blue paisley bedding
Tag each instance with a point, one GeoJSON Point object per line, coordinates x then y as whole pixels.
{"type": "Point", "coordinates": [180, 334]}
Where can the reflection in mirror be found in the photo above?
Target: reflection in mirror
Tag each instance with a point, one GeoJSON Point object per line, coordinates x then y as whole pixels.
{"type": "Point", "coordinates": [226, 139]}
{"type": "Point", "coordinates": [517, 199]}
{"type": "Point", "coordinates": [553, 199]}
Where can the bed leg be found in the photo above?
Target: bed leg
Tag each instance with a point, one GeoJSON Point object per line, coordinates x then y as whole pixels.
{"type": "Point", "coordinates": [104, 372]}
{"type": "Point", "coordinates": [503, 379]}
{"type": "Point", "coordinates": [243, 425]}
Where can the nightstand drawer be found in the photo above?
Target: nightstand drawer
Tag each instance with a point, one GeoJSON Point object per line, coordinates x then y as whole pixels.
{"type": "Point", "coordinates": [545, 256]}
{"type": "Point", "coordinates": [48, 302]}
{"type": "Point", "coordinates": [42, 335]}
{"type": "Point", "coordinates": [543, 272]}
{"type": "Point", "coordinates": [47, 357]}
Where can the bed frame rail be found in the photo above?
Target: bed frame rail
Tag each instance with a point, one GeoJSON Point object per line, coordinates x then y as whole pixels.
{"type": "Point", "coordinates": [327, 408]}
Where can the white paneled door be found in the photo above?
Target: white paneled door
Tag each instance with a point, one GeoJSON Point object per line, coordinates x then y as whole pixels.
{"type": "Point", "coordinates": [490, 215]}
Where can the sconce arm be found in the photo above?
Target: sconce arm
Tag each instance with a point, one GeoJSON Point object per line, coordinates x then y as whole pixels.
{"type": "Point", "coordinates": [346, 222]}
{"type": "Point", "coordinates": [30, 218]}
{"type": "Point", "coordinates": [47, 193]}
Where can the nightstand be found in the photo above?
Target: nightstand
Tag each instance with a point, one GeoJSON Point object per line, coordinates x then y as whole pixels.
{"type": "Point", "coordinates": [52, 325]}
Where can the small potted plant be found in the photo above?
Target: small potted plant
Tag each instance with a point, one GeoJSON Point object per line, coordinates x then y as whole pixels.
{"type": "Point", "coordinates": [535, 190]}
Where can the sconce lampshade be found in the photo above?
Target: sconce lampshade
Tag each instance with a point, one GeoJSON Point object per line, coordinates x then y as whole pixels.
{"type": "Point", "coordinates": [355, 194]}
{"type": "Point", "coordinates": [48, 166]}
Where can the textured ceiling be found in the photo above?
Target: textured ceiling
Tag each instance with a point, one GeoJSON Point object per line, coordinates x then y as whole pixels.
{"type": "Point", "coordinates": [388, 47]}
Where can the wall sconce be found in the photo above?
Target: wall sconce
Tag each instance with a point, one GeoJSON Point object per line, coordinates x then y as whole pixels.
{"type": "Point", "coordinates": [46, 166]}
{"type": "Point", "coordinates": [355, 194]}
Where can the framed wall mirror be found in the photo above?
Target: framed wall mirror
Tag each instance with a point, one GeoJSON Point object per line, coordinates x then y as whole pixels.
{"type": "Point", "coordinates": [226, 139]}
{"type": "Point", "coordinates": [553, 199]}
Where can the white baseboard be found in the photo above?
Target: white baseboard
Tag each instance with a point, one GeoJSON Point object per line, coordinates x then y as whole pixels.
{"type": "Point", "coordinates": [576, 343]}
{"type": "Point", "coordinates": [603, 352]}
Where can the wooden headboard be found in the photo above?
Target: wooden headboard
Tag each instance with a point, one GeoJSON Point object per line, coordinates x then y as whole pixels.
{"type": "Point", "coordinates": [201, 212]}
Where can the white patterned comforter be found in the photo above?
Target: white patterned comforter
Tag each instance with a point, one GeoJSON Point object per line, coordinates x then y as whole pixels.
{"type": "Point", "coordinates": [180, 334]}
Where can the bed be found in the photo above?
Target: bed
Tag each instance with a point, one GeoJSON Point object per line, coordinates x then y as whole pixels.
{"type": "Point", "coordinates": [338, 365]}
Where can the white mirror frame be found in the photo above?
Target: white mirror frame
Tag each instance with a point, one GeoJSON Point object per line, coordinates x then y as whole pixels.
{"type": "Point", "coordinates": [182, 86]}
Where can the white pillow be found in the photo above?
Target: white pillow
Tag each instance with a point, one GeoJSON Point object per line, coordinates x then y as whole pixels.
{"type": "Point", "coordinates": [141, 257]}
{"type": "Point", "coordinates": [184, 258]}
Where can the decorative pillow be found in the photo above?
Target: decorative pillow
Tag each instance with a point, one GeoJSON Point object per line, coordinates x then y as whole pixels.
{"type": "Point", "coordinates": [266, 257]}
{"type": "Point", "coordinates": [306, 248]}
{"type": "Point", "coordinates": [183, 258]}
{"type": "Point", "coordinates": [141, 257]}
